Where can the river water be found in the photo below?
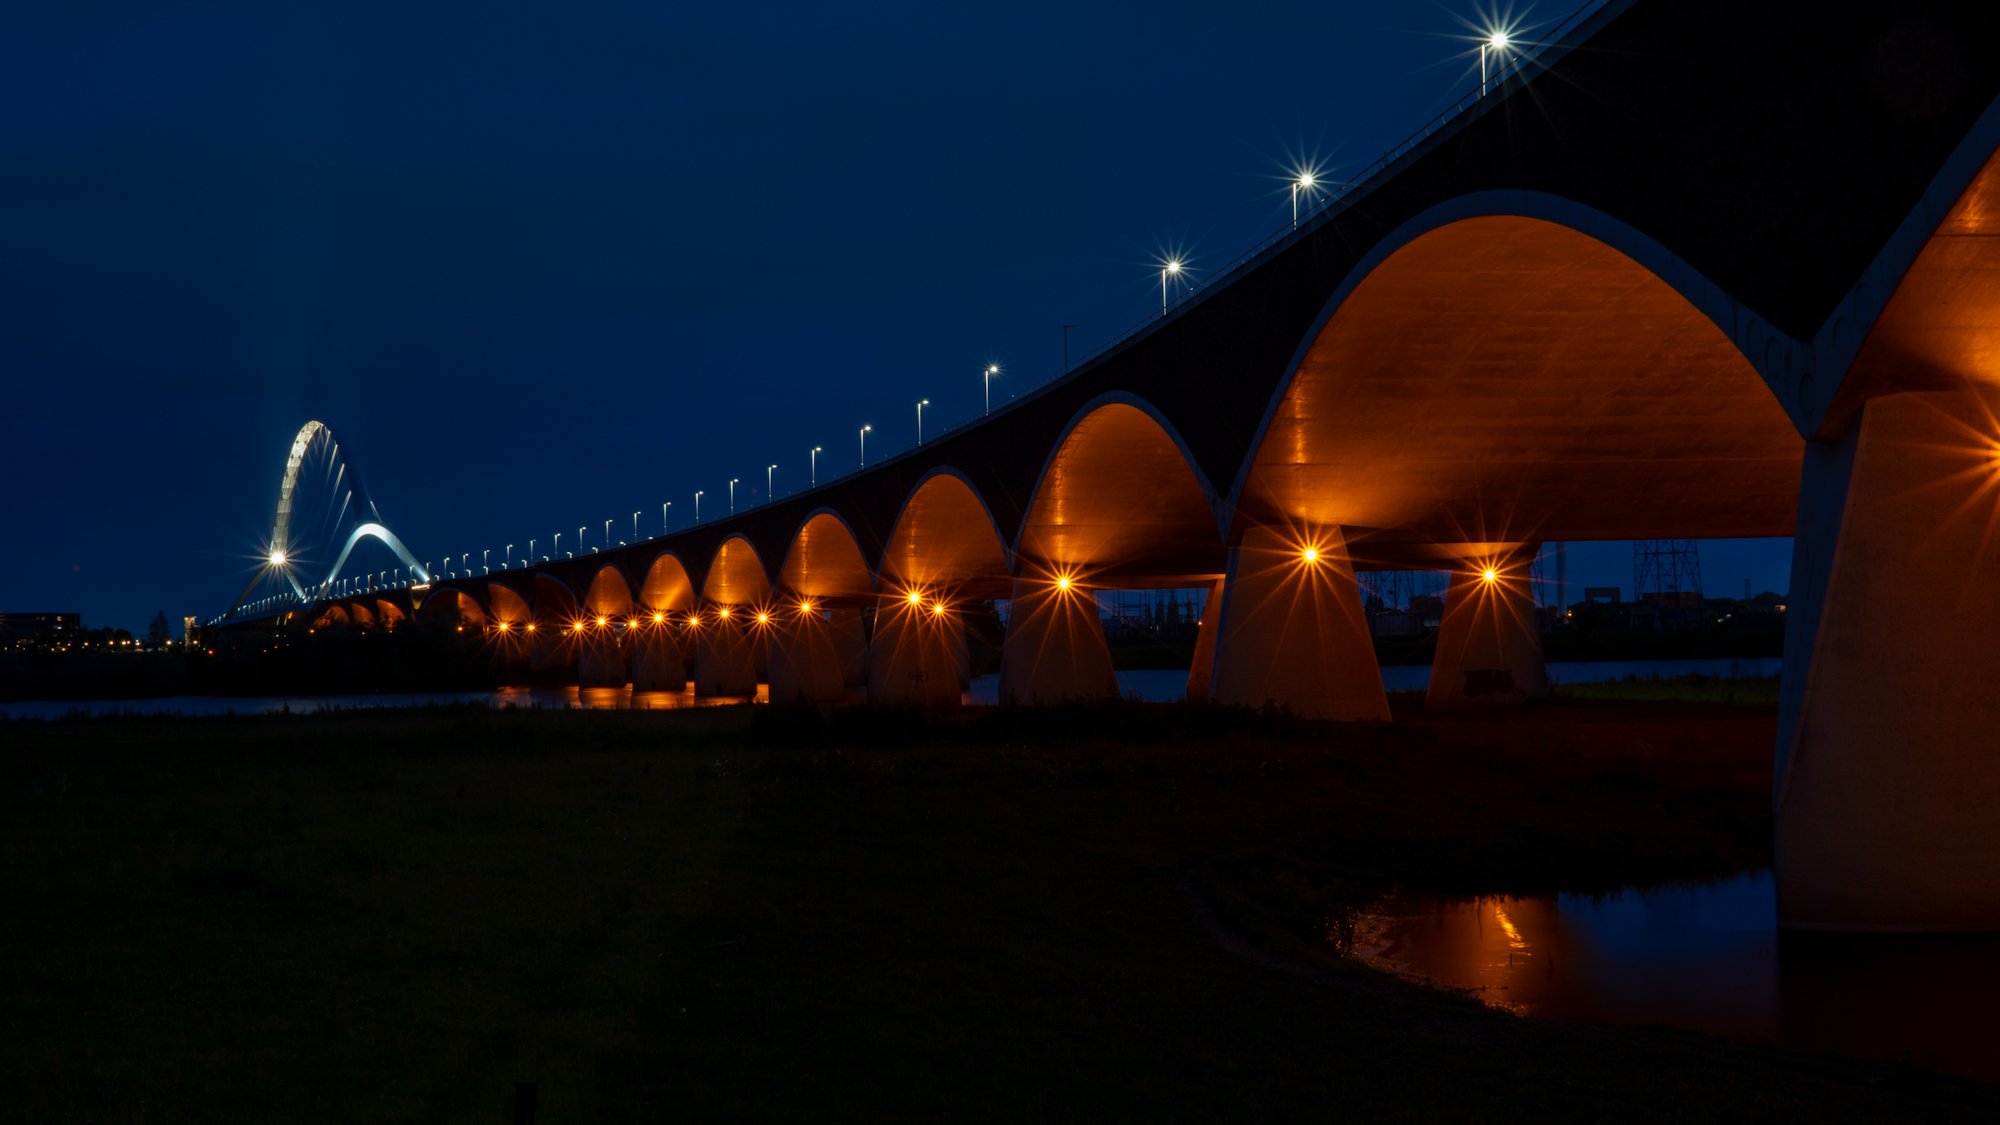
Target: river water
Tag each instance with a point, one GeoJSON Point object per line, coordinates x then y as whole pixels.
{"type": "Point", "coordinates": [1708, 958]}
{"type": "Point", "coordinates": [1149, 686]}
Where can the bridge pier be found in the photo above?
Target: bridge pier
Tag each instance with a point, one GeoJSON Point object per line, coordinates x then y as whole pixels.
{"type": "Point", "coordinates": [1888, 779]}
{"type": "Point", "coordinates": [599, 663]}
{"type": "Point", "coordinates": [915, 656]}
{"type": "Point", "coordinates": [1292, 629]}
{"type": "Point", "coordinates": [657, 661]}
{"type": "Point", "coordinates": [1055, 648]}
{"type": "Point", "coordinates": [850, 643]}
{"type": "Point", "coordinates": [1489, 646]}
{"type": "Point", "coordinates": [1202, 669]}
{"type": "Point", "coordinates": [806, 664]}
{"type": "Point", "coordinates": [723, 662]}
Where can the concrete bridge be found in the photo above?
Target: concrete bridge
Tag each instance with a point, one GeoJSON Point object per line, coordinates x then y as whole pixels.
{"type": "Point", "coordinates": [1707, 270]}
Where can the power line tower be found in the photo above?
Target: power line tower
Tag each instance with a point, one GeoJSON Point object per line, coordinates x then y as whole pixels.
{"type": "Point", "coordinates": [1667, 579]}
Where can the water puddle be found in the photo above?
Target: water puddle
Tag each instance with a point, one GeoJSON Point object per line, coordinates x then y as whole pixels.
{"type": "Point", "coordinates": [1707, 958]}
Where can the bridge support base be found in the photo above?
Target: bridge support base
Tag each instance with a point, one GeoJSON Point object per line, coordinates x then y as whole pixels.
{"type": "Point", "coordinates": [1202, 669]}
{"type": "Point", "coordinates": [1888, 777]}
{"type": "Point", "coordinates": [805, 661]}
{"type": "Point", "coordinates": [723, 662]}
{"type": "Point", "coordinates": [914, 658]}
{"type": "Point", "coordinates": [1489, 646]}
{"type": "Point", "coordinates": [599, 663]}
{"type": "Point", "coordinates": [1055, 649]}
{"type": "Point", "coordinates": [1293, 631]}
{"type": "Point", "coordinates": [657, 661]}
{"type": "Point", "coordinates": [850, 642]}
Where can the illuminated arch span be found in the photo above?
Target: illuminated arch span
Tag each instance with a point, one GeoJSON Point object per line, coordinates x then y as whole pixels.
{"type": "Point", "coordinates": [609, 593]}
{"type": "Point", "coordinates": [946, 536]}
{"type": "Point", "coordinates": [736, 575]}
{"type": "Point", "coordinates": [1120, 498]}
{"type": "Point", "coordinates": [666, 587]}
{"type": "Point", "coordinates": [1533, 371]}
{"type": "Point", "coordinates": [281, 521]}
{"type": "Point", "coordinates": [825, 560]}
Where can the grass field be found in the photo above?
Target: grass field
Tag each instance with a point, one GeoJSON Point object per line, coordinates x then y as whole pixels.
{"type": "Point", "coordinates": [745, 913]}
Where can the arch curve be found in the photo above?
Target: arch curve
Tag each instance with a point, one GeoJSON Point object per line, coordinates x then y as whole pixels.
{"type": "Point", "coordinates": [944, 535]}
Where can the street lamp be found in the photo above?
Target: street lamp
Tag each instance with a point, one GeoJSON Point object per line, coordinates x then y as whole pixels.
{"type": "Point", "coordinates": [557, 549]}
{"type": "Point", "coordinates": [1302, 180]}
{"type": "Point", "coordinates": [1172, 268]}
{"type": "Point", "coordinates": [464, 562]}
{"type": "Point", "coordinates": [769, 495]}
{"type": "Point", "coordinates": [993, 369]}
{"type": "Point", "coordinates": [697, 505]}
{"type": "Point", "coordinates": [486, 561]}
{"type": "Point", "coordinates": [530, 560]}
{"type": "Point", "coordinates": [607, 535]}
{"type": "Point", "coordinates": [666, 509]}
{"type": "Point", "coordinates": [921, 403]}
{"type": "Point", "coordinates": [815, 466]}
{"type": "Point", "coordinates": [1495, 43]}
{"type": "Point", "coordinates": [732, 495]}
{"type": "Point", "coordinates": [864, 445]}
{"type": "Point", "coordinates": [635, 527]}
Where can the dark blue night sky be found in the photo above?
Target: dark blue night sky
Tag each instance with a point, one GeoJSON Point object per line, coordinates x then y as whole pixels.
{"type": "Point", "coordinates": [543, 266]}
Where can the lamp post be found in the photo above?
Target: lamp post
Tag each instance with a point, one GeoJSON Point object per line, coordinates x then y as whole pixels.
{"type": "Point", "coordinates": [921, 403]}
{"type": "Point", "coordinates": [464, 562]}
{"type": "Point", "coordinates": [864, 445]}
{"type": "Point", "coordinates": [607, 534]}
{"type": "Point", "coordinates": [1302, 180]}
{"type": "Point", "coordinates": [579, 537]}
{"type": "Point", "coordinates": [531, 552]}
{"type": "Point", "coordinates": [1172, 268]}
{"type": "Point", "coordinates": [1495, 43]}
{"type": "Point", "coordinates": [815, 466]}
{"type": "Point", "coordinates": [993, 369]}
{"type": "Point", "coordinates": [666, 506]}
{"type": "Point", "coordinates": [769, 495]}
{"type": "Point", "coordinates": [732, 495]}
{"type": "Point", "coordinates": [557, 549]}
{"type": "Point", "coordinates": [697, 505]}
{"type": "Point", "coordinates": [486, 561]}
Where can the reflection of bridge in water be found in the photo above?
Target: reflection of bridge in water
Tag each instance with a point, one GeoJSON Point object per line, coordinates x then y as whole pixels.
{"type": "Point", "coordinates": [1663, 283]}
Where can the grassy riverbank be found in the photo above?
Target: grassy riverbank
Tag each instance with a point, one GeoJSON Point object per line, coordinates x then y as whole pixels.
{"type": "Point", "coordinates": [747, 912]}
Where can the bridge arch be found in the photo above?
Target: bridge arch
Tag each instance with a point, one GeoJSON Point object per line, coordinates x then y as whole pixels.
{"type": "Point", "coordinates": [451, 606]}
{"type": "Point", "coordinates": [824, 560]}
{"type": "Point", "coordinates": [556, 605]}
{"type": "Point", "coordinates": [736, 575]}
{"type": "Point", "coordinates": [945, 536]}
{"type": "Point", "coordinates": [666, 587]}
{"type": "Point", "coordinates": [1530, 379]}
{"type": "Point", "coordinates": [1122, 500]}
{"type": "Point", "coordinates": [609, 594]}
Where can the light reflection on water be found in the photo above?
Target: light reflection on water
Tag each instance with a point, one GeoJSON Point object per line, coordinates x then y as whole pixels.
{"type": "Point", "coordinates": [1150, 686]}
{"type": "Point", "coordinates": [1708, 958]}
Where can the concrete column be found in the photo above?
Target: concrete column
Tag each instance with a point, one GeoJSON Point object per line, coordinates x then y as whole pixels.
{"type": "Point", "coordinates": [805, 660]}
{"type": "Point", "coordinates": [850, 641]}
{"type": "Point", "coordinates": [1293, 630]}
{"type": "Point", "coordinates": [548, 647]}
{"type": "Point", "coordinates": [657, 661]}
{"type": "Point", "coordinates": [1055, 648]}
{"type": "Point", "coordinates": [1202, 669]}
{"type": "Point", "coordinates": [1888, 772]}
{"type": "Point", "coordinates": [914, 656]}
{"type": "Point", "coordinates": [599, 663]}
{"type": "Point", "coordinates": [1489, 647]}
{"type": "Point", "coordinates": [723, 662]}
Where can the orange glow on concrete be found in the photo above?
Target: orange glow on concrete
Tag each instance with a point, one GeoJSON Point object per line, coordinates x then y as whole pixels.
{"type": "Point", "coordinates": [945, 539]}
{"type": "Point", "coordinates": [1120, 498]}
{"type": "Point", "coordinates": [824, 561]}
{"type": "Point", "coordinates": [1610, 377]}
